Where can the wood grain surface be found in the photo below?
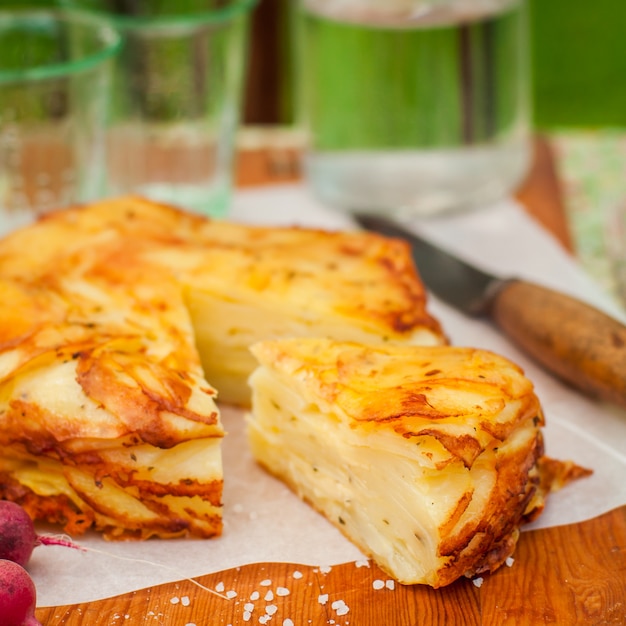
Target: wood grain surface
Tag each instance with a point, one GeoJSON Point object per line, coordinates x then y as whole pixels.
{"type": "Point", "coordinates": [564, 576]}
{"type": "Point", "coordinates": [567, 575]}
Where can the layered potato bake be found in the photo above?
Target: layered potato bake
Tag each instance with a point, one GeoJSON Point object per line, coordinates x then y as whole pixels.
{"type": "Point", "coordinates": [425, 457]}
{"type": "Point", "coordinates": [123, 321]}
{"type": "Point", "coordinates": [119, 322]}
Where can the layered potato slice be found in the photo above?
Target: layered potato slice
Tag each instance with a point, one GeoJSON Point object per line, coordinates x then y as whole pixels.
{"type": "Point", "coordinates": [106, 420]}
{"type": "Point", "coordinates": [114, 317]}
{"type": "Point", "coordinates": [425, 457]}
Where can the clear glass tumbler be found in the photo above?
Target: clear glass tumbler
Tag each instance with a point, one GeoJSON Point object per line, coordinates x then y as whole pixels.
{"type": "Point", "coordinates": [55, 69]}
{"type": "Point", "coordinates": [413, 107]}
{"type": "Point", "coordinates": [176, 99]}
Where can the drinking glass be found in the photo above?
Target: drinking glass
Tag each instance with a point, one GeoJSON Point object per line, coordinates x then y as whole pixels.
{"type": "Point", "coordinates": [55, 69]}
{"type": "Point", "coordinates": [176, 99]}
{"type": "Point", "coordinates": [413, 107]}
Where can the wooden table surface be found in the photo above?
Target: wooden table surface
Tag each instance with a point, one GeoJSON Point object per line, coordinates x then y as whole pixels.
{"type": "Point", "coordinates": [565, 576]}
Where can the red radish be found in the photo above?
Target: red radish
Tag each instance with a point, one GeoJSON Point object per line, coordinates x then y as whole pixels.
{"type": "Point", "coordinates": [17, 533]}
{"type": "Point", "coordinates": [18, 538]}
{"type": "Point", "coordinates": [18, 596]}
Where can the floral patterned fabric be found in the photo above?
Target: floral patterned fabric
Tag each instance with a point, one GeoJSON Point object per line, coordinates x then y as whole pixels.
{"type": "Point", "coordinates": [592, 167]}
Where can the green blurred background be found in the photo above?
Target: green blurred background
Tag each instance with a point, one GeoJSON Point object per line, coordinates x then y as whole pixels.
{"type": "Point", "coordinates": [578, 60]}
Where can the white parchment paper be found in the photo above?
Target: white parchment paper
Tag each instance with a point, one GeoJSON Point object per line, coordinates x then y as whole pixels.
{"type": "Point", "coordinates": [264, 521]}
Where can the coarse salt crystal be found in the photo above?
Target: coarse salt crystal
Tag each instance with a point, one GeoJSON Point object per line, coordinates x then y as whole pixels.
{"type": "Point", "coordinates": [175, 600]}
{"type": "Point", "coordinates": [271, 609]}
{"type": "Point", "coordinates": [378, 584]}
{"type": "Point", "coordinates": [255, 595]}
{"type": "Point", "coordinates": [269, 596]}
{"type": "Point", "coordinates": [265, 583]}
{"type": "Point", "coordinates": [231, 594]}
{"type": "Point", "coordinates": [297, 574]}
{"type": "Point", "coordinates": [509, 561]}
{"type": "Point", "coordinates": [185, 601]}
{"type": "Point", "coordinates": [282, 591]}
{"type": "Point", "coordinates": [264, 619]}
{"type": "Point", "coordinates": [325, 569]}
{"type": "Point", "coordinates": [477, 581]}
{"type": "Point", "coordinates": [322, 598]}
{"type": "Point", "coordinates": [248, 606]}
{"type": "Point", "coordinates": [219, 587]}
{"type": "Point", "coordinates": [246, 616]}
{"type": "Point", "coordinates": [362, 563]}
{"type": "Point", "coordinates": [340, 606]}
{"type": "Point", "coordinates": [288, 622]}
{"type": "Point", "coordinates": [390, 584]}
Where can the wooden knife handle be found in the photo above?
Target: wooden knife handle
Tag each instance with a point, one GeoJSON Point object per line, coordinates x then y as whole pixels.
{"type": "Point", "coordinates": [583, 346]}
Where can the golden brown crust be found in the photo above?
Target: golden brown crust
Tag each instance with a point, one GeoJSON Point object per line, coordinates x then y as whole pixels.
{"type": "Point", "coordinates": [361, 276]}
{"type": "Point", "coordinates": [455, 395]}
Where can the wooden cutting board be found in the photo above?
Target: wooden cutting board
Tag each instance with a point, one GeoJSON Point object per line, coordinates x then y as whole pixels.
{"type": "Point", "coordinates": [565, 576]}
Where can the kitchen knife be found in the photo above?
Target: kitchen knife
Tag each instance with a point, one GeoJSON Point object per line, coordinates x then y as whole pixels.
{"type": "Point", "coordinates": [580, 344]}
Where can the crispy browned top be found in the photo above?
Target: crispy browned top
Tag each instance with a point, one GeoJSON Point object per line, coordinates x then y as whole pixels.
{"type": "Point", "coordinates": [95, 338]}
{"type": "Point", "coordinates": [361, 276]}
{"type": "Point", "coordinates": [462, 399]}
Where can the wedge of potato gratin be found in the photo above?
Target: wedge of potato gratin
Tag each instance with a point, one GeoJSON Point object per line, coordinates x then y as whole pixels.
{"type": "Point", "coordinates": [120, 319]}
{"type": "Point", "coordinates": [427, 458]}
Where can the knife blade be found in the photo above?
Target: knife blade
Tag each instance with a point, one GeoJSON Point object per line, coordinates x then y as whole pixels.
{"type": "Point", "coordinates": [578, 343]}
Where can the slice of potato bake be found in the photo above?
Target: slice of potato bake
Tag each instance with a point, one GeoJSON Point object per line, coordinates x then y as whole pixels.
{"type": "Point", "coordinates": [425, 457]}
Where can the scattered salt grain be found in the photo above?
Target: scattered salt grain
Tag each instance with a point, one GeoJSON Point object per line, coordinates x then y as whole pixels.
{"type": "Point", "coordinates": [185, 601]}
{"type": "Point", "coordinates": [297, 574]}
{"type": "Point", "coordinates": [264, 619]}
{"type": "Point", "coordinates": [175, 600]}
{"type": "Point", "coordinates": [288, 622]}
{"type": "Point", "coordinates": [269, 596]}
{"type": "Point", "coordinates": [246, 616]}
{"type": "Point", "coordinates": [255, 595]}
{"type": "Point", "coordinates": [390, 584]}
{"type": "Point", "coordinates": [248, 606]}
{"type": "Point", "coordinates": [265, 583]}
{"type": "Point", "coordinates": [509, 561]}
{"type": "Point", "coordinates": [325, 569]}
{"type": "Point", "coordinates": [340, 607]}
{"type": "Point", "coordinates": [362, 563]}
{"type": "Point", "coordinates": [231, 594]}
{"type": "Point", "coordinates": [378, 584]}
{"type": "Point", "coordinates": [219, 587]}
{"type": "Point", "coordinates": [282, 591]}
{"type": "Point", "coordinates": [477, 581]}
{"type": "Point", "coordinates": [322, 598]}
{"type": "Point", "coordinates": [271, 609]}
{"type": "Point", "coordinates": [190, 624]}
